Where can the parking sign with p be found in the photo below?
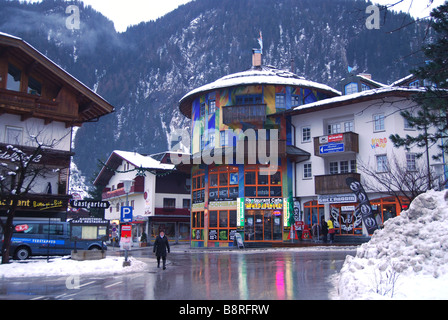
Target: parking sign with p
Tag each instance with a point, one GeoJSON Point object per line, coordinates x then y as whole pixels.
{"type": "Point", "coordinates": [126, 214]}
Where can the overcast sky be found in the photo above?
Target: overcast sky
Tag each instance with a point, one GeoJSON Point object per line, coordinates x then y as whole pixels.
{"type": "Point", "coordinates": [129, 12]}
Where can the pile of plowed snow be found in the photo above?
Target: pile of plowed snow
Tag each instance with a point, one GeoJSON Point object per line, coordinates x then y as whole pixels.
{"type": "Point", "coordinates": [408, 259]}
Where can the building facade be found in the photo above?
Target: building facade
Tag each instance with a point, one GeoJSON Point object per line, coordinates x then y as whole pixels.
{"type": "Point", "coordinates": [237, 121]}
{"type": "Point", "coordinates": [40, 104]}
{"type": "Point", "coordinates": [159, 194]}
{"type": "Point", "coordinates": [349, 137]}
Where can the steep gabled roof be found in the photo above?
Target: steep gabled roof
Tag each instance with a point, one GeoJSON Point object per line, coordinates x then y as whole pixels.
{"type": "Point", "coordinates": [91, 106]}
{"type": "Point", "coordinates": [116, 159]}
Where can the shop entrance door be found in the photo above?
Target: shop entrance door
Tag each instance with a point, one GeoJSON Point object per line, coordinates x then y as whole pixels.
{"type": "Point", "coordinates": [263, 225]}
{"type": "Point", "coordinates": [259, 226]}
{"type": "Point", "coordinates": [267, 225]}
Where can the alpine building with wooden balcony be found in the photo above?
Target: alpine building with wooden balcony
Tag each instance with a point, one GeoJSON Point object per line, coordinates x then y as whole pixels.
{"type": "Point", "coordinates": [348, 137]}
{"type": "Point", "coordinates": [41, 103]}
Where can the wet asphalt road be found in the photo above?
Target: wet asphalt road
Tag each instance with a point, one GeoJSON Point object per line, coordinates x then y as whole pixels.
{"type": "Point", "coordinates": [272, 274]}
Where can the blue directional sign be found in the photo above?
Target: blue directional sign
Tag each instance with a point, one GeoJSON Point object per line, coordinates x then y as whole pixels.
{"type": "Point", "coordinates": [331, 148]}
{"type": "Point", "coordinates": [126, 214]}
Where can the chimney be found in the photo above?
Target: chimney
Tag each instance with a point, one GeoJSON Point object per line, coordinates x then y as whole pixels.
{"type": "Point", "coordinates": [256, 58]}
{"type": "Point", "coordinates": [366, 75]}
{"type": "Point", "coordinates": [293, 65]}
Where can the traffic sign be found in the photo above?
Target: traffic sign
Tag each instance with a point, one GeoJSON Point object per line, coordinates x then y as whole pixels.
{"type": "Point", "coordinates": [126, 214]}
{"type": "Point", "coordinates": [331, 148]}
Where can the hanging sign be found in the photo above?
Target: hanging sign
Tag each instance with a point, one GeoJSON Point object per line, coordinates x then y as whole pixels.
{"type": "Point", "coordinates": [240, 212]}
{"type": "Point", "coordinates": [263, 203]}
{"type": "Point", "coordinates": [364, 204]}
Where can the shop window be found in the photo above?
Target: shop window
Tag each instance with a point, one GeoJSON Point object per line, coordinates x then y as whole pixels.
{"type": "Point", "coordinates": [347, 219]}
{"type": "Point", "coordinates": [386, 208]}
{"type": "Point", "coordinates": [312, 213]}
{"type": "Point", "coordinates": [184, 231]}
{"type": "Point", "coordinates": [261, 182]}
{"type": "Point", "coordinates": [222, 225]}
{"type": "Point", "coordinates": [198, 192]}
{"type": "Point", "coordinates": [14, 77]}
{"type": "Point", "coordinates": [223, 183]}
{"type": "Point", "coordinates": [197, 225]}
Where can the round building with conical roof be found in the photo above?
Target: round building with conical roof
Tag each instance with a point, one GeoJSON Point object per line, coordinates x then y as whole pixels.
{"type": "Point", "coordinates": [243, 153]}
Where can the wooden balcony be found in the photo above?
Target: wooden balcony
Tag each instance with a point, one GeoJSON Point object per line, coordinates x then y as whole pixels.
{"type": "Point", "coordinates": [244, 113]}
{"type": "Point", "coordinates": [336, 144]}
{"type": "Point", "coordinates": [334, 184]}
{"type": "Point", "coordinates": [29, 105]}
{"type": "Point", "coordinates": [137, 187]}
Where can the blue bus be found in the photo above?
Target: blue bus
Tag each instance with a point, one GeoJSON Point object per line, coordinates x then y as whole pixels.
{"type": "Point", "coordinates": [37, 238]}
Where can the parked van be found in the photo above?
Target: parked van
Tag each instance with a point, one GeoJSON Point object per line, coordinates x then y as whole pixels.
{"type": "Point", "coordinates": [37, 238]}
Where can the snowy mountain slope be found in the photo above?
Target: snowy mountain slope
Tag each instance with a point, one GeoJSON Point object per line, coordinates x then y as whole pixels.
{"type": "Point", "coordinates": [144, 71]}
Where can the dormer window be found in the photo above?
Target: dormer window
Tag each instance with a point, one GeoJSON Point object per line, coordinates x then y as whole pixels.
{"type": "Point", "coordinates": [351, 88]}
{"type": "Point", "coordinates": [414, 84]}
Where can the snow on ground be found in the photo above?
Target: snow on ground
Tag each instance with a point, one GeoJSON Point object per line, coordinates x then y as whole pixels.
{"type": "Point", "coordinates": [408, 259]}
{"type": "Point", "coordinates": [64, 266]}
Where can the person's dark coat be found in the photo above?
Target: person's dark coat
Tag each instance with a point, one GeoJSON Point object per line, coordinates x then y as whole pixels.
{"type": "Point", "coordinates": [324, 227]}
{"type": "Point", "coordinates": [161, 245]}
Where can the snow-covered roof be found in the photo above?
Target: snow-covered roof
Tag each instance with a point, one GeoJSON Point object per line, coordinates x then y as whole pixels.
{"type": "Point", "coordinates": [378, 84]}
{"type": "Point", "coordinates": [136, 159]}
{"type": "Point", "coordinates": [139, 160]}
{"type": "Point", "coordinates": [355, 97]}
{"type": "Point", "coordinates": [255, 76]}
{"type": "Point", "coordinates": [400, 82]}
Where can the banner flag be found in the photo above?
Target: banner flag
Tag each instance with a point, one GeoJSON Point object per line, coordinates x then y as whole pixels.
{"type": "Point", "coordinates": [364, 204]}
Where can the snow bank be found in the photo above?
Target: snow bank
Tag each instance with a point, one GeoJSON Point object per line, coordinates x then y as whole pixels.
{"type": "Point", "coordinates": [64, 266]}
{"type": "Point", "coordinates": [408, 259]}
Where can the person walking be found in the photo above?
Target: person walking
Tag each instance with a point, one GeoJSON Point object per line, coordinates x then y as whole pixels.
{"type": "Point", "coordinates": [331, 230]}
{"type": "Point", "coordinates": [324, 226]}
{"type": "Point", "coordinates": [161, 245]}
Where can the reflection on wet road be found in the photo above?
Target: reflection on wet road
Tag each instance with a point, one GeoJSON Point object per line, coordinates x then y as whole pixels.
{"type": "Point", "coordinates": [258, 275]}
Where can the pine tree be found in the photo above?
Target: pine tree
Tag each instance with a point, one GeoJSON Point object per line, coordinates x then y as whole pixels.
{"type": "Point", "coordinates": [431, 120]}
